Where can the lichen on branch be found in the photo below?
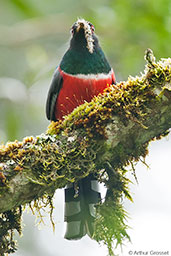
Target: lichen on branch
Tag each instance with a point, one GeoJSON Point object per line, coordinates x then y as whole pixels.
{"type": "Point", "coordinates": [103, 137]}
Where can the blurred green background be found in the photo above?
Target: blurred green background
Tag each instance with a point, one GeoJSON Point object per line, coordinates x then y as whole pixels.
{"type": "Point", "coordinates": [35, 34]}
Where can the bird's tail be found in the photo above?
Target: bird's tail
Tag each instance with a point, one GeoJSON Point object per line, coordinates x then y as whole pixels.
{"type": "Point", "coordinates": [80, 208]}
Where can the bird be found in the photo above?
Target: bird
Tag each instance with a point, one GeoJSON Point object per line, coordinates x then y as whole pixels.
{"type": "Point", "coordinates": [84, 72]}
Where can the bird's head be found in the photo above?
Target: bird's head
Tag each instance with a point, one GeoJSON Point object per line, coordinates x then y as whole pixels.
{"type": "Point", "coordinates": [83, 35]}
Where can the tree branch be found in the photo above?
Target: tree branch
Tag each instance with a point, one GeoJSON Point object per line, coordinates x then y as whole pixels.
{"type": "Point", "coordinates": [107, 134]}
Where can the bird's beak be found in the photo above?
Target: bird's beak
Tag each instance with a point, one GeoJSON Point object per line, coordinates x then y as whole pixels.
{"type": "Point", "coordinates": [80, 26]}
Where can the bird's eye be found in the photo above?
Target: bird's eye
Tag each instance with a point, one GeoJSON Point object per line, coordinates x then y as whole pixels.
{"type": "Point", "coordinates": [73, 29]}
{"type": "Point", "coordinates": [92, 27]}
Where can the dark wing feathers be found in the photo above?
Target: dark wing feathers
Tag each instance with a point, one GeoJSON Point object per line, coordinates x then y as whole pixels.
{"type": "Point", "coordinates": [55, 87]}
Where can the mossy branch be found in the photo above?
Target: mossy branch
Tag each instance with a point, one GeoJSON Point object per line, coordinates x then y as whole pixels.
{"type": "Point", "coordinates": [102, 136]}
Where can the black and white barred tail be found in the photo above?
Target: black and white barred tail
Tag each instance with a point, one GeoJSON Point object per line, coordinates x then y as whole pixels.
{"type": "Point", "coordinates": [80, 209]}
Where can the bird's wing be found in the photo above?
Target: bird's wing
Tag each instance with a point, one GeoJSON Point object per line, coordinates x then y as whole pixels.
{"type": "Point", "coordinates": [55, 87]}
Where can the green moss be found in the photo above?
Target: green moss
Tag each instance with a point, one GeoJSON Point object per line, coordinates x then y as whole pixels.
{"type": "Point", "coordinates": [41, 205]}
{"type": "Point", "coordinates": [9, 222]}
{"type": "Point", "coordinates": [110, 227]}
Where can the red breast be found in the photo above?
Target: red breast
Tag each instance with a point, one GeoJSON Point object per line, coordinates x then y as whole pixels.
{"type": "Point", "coordinates": [77, 89]}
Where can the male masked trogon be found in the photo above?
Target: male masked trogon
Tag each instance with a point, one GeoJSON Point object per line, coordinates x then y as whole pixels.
{"type": "Point", "coordinates": [83, 73]}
